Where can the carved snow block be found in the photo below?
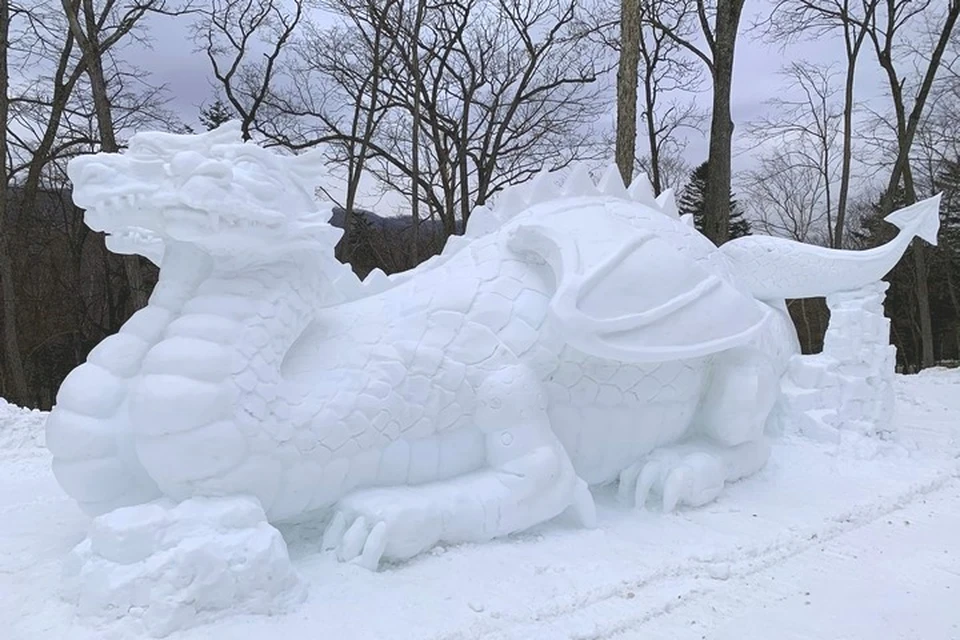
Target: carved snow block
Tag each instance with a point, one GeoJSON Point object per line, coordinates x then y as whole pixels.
{"type": "Point", "coordinates": [163, 568]}
{"type": "Point", "coordinates": [849, 386]}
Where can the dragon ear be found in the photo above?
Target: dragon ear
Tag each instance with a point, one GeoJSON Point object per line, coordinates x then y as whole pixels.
{"type": "Point", "coordinates": [227, 133]}
{"type": "Point", "coordinates": [309, 166]}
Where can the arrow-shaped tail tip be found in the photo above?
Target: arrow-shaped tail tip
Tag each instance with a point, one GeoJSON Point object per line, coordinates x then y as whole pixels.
{"type": "Point", "coordinates": [921, 219]}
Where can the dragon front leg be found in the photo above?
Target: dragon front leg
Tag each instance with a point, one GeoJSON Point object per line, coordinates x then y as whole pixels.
{"type": "Point", "coordinates": [528, 479]}
{"type": "Point", "coordinates": [726, 443]}
{"type": "Point", "coordinates": [89, 431]}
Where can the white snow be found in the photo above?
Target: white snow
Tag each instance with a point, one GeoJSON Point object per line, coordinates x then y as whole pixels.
{"type": "Point", "coordinates": [172, 566]}
{"type": "Point", "coordinates": [856, 539]}
{"type": "Point", "coordinates": [21, 430]}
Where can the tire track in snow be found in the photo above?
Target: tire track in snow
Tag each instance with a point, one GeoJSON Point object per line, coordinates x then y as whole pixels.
{"type": "Point", "coordinates": [604, 613]}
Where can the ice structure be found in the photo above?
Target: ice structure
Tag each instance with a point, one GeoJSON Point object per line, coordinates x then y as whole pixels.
{"type": "Point", "coordinates": [573, 337]}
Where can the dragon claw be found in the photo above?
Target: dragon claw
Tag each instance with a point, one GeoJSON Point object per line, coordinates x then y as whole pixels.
{"type": "Point", "coordinates": [353, 540]}
{"type": "Point", "coordinates": [334, 532]}
{"type": "Point", "coordinates": [678, 478]}
{"type": "Point", "coordinates": [362, 544]}
{"type": "Point", "coordinates": [372, 524]}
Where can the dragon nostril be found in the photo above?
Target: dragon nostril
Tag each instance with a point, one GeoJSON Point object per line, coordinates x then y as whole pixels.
{"type": "Point", "coordinates": [83, 171]}
{"type": "Point", "coordinates": [215, 169]}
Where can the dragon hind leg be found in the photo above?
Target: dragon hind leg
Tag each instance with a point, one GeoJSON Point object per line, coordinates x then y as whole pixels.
{"type": "Point", "coordinates": [726, 441]}
{"type": "Point", "coordinates": [528, 479]}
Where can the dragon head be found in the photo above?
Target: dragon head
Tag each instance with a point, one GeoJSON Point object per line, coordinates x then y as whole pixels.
{"type": "Point", "coordinates": [211, 190]}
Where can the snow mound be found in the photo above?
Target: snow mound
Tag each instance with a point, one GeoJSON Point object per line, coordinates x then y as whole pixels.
{"type": "Point", "coordinates": [169, 568]}
{"type": "Point", "coordinates": [20, 429]}
{"type": "Point", "coordinates": [944, 375]}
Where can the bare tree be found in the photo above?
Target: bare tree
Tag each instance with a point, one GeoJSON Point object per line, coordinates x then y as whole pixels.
{"type": "Point", "coordinates": [671, 168]}
{"type": "Point", "coordinates": [884, 30]}
{"type": "Point", "coordinates": [802, 130]}
{"type": "Point", "coordinates": [719, 26]}
{"type": "Point", "coordinates": [35, 113]}
{"type": "Point", "coordinates": [415, 132]}
{"type": "Point", "coordinates": [336, 77]}
{"type": "Point", "coordinates": [534, 92]}
{"type": "Point", "coordinates": [666, 71]}
{"type": "Point", "coordinates": [11, 344]}
{"type": "Point", "coordinates": [787, 196]}
{"type": "Point", "coordinates": [87, 28]}
{"type": "Point", "coordinates": [53, 114]}
{"type": "Point", "coordinates": [488, 92]}
{"type": "Point", "coordinates": [359, 71]}
{"type": "Point", "coordinates": [790, 20]}
{"type": "Point", "coordinates": [244, 40]}
{"type": "Point", "coordinates": [627, 70]}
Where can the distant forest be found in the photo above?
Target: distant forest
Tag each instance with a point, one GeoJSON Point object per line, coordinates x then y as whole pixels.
{"type": "Point", "coordinates": [446, 104]}
{"type": "Point", "coordinates": [72, 292]}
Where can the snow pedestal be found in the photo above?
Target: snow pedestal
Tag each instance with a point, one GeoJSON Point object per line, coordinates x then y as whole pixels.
{"type": "Point", "coordinates": [173, 567]}
{"type": "Point", "coordinates": [849, 386]}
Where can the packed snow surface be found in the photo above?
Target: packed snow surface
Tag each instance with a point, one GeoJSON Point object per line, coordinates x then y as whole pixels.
{"type": "Point", "coordinates": [855, 539]}
{"type": "Point", "coordinates": [21, 430]}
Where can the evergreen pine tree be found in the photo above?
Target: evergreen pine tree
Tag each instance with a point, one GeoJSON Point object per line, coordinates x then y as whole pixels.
{"type": "Point", "coordinates": [948, 182]}
{"type": "Point", "coordinates": [691, 201]}
{"type": "Point", "coordinates": [216, 114]}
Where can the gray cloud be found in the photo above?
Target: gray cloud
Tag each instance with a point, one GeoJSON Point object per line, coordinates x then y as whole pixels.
{"type": "Point", "coordinates": [173, 61]}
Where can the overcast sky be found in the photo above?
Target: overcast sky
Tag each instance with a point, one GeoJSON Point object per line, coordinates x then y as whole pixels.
{"type": "Point", "coordinates": [187, 75]}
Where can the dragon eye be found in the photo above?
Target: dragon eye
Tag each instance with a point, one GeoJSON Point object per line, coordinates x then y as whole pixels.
{"type": "Point", "coordinates": [144, 149]}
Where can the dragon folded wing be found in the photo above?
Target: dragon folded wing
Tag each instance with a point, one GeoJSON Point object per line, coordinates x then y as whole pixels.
{"type": "Point", "coordinates": [622, 293]}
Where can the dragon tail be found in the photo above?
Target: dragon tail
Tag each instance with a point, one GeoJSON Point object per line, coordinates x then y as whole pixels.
{"type": "Point", "coordinates": [777, 268]}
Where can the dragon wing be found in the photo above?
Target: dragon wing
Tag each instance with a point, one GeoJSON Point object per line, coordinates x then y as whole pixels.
{"type": "Point", "coordinates": [625, 294]}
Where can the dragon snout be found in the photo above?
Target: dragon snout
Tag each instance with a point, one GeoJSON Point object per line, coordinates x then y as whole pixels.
{"type": "Point", "coordinates": [216, 170]}
{"type": "Point", "coordinates": [85, 170]}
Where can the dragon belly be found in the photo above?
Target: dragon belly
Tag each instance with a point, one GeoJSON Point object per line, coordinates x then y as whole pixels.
{"type": "Point", "coordinates": [609, 414]}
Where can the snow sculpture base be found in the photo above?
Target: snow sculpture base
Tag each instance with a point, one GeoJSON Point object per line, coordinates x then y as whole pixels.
{"type": "Point", "coordinates": [849, 386]}
{"type": "Point", "coordinates": [173, 567]}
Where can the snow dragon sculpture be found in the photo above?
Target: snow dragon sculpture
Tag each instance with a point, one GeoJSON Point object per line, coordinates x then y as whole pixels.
{"type": "Point", "coordinates": [573, 337]}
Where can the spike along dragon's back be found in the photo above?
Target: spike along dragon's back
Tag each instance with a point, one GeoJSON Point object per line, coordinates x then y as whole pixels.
{"type": "Point", "coordinates": [574, 336]}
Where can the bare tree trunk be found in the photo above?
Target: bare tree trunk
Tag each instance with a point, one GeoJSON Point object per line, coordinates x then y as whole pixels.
{"type": "Point", "coordinates": [955, 301]}
{"type": "Point", "coordinates": [853, 52]}
{"type": "Point", "coordinates": [847, 153]}
{"type": "Point", "coordinates": [650, 118]}
{"type": "Point", "coordinates": [415, 138]}
{"type": "Point", "coordinates": [923, 287]}
{"type": "Point", "coordinates": [8, 293]}
{"type": "Point", "coordinates": [89, 43]}
{"type": "Point", "coordinates": [627, 88]}
{"type": "Point", "coordinates": [923, 302]}
{"type": "Point", "coordinates": [717, 192]}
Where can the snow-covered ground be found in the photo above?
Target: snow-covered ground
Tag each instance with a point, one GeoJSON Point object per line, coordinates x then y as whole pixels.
{"type": "Point", "coordinates": [859, 540]}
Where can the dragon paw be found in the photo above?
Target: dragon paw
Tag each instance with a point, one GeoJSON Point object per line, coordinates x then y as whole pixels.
{"type": "Point", "coordinates": [370, 525]}
{"type": "Point", "coordinates": [679, 478]}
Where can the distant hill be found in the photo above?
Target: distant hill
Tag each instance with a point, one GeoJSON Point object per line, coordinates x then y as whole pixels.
{"type": "Point", "coordinates": [386, 242]}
